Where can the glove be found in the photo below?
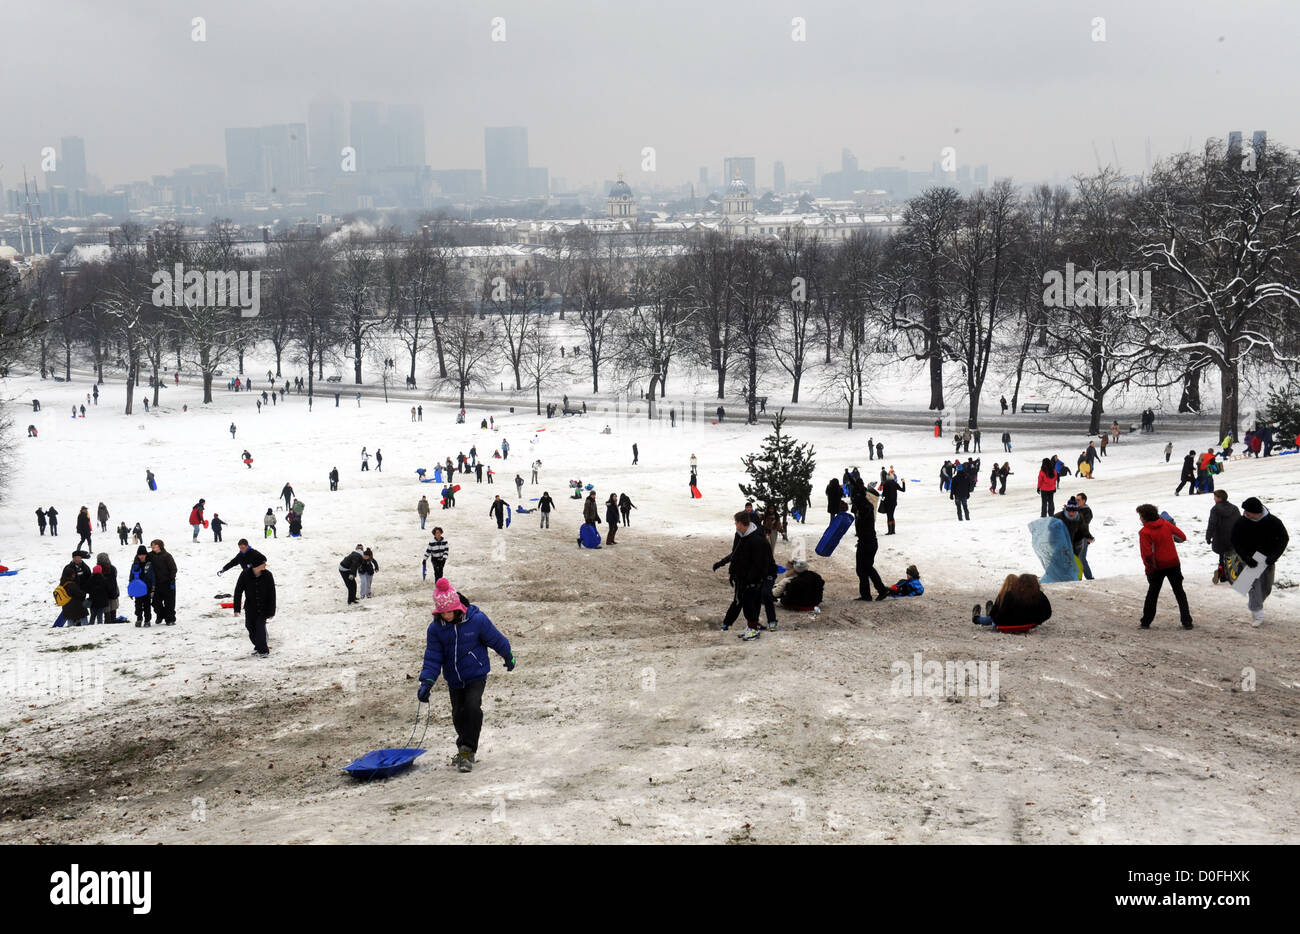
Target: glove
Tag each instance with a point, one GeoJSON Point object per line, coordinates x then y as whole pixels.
{"type": "Point", "coordinates": [1250, 562]}
{"type": "Point", "coordinates": [222, 571]}
{"type": "Point", "coordinates": [1269, 562]}
{"type": "Point", "coordinates": [510, 663]}
{"type": "Point", "coordinates": [716, 565]}
{"type": "Point", "coordinates": [423, 691]}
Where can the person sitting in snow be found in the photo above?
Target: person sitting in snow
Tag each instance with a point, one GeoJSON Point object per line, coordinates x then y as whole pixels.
{"type": "Point", "coordinates": [909, 586]}
{"type": "Point", "coordinates": [800, 588]}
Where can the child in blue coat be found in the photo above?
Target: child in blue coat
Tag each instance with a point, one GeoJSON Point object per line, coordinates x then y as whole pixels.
{"type": "Point", "coordinates": [456, 646]}
{"type": "Point", "coordinates": [909, 586]}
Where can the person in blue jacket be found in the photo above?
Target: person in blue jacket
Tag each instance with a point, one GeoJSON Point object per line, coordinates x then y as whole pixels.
{"type": "Point", "coordinates": [909, 586]}
{"type": "Point", "coordinates": [456, 645]}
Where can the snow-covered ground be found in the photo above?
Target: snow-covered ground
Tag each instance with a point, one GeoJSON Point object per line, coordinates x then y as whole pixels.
{"type": "Point", "coordinates": [631, 718]}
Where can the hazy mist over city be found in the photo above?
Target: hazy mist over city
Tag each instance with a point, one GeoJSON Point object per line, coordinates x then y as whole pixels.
{"type": "Point", "coordinates": [1019, 85]}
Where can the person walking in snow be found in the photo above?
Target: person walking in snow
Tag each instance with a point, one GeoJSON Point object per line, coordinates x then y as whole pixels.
{"type": "Point", "coordinates": [137, 534]}
{"type": "Point", "coordinates": [53, 515]}
{"type": "Point", "coordinates": [422, 510]}
{"type": "Point", "coordinates": [456, 647]}
{"type": "Point", "coordinates": [1218, 531]}
{"type": "Point", "coordinates": [625, 507]}
{"type": "Point", "coordinates": [365, 459]}
{"type": "Point", "coordinates": [40, 519]}
{"type": "Point", "coordinates": [750, 563]}
{"type": "Point", "coordinates": [1169, 450]}
{"type": "Point", "coordinates": [635, 454]}
{"type": "Point", "coordinates": [1187, 476]}
{"type": "Point", "coordinates": [437, 551]}
{"type": "Point", "coordinates": [864, 525]}
{"type": "Point", "coordinates": [1259, 532]}
{"type": "Point", "coordinates": [519, 486]}
{"type": "Point", "coordinates": [1047, 482]}
{"type": "Point", "coordinates": [286, 494]}
{"type": "Point", "coordinates": [122, 533]}
{"type": "Point", "coordinates": [959, 491]}
{"type": "Point", "coordinates": [255, 591]}
{"type": "Point", "coordinates": [247, 459]}
{"type": "Point", "coordinates": [1160, 560]}
{"type": "Point", "coordinates": [497, 508]}
{"type": "Point", "coordinates": [379, 459]}
{"type": "Point", "coordinates": [102, 515]}
{"type": "Point", "coordinates": [334, 480]}
{"type": "Point", "coordinates": [217, 525]}
{"type": "Point", "coordinates": [537, 465]}
{"type": "Point", "coordinates": [268, 525]}
{"type": "Point", "coordinates": [84, 527]}
{"type": "Point", "coordinates": [164, 575]}
{"type": "Point", "coordinates": [544, 507]}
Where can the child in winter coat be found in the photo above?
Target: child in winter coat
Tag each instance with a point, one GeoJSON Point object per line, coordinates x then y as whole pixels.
{"type": "Point", "coordinates": [98, 593]}
{"type": "Point", "coordinates": [366, 573]}
{"type": "Point", "coordinates": [137, 535]}
{"type": "Point", "coordinates": [437, 552]}
{"type": "Point", "coordinates": [122, 532]}
{"type": "Point", "coordinates": [909, 586]}
{"type": "Point", "coordinates": [268, 525]}
{"type": "Point", "coordinates": [141, 576]}
{"type": "Point", "coordinates": [456, 647]}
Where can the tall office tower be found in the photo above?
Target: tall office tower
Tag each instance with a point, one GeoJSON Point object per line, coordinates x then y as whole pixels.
{"type": "Point", "coordinates": [848, 161]}
{"type": "Point", "coordinates": [778, 177]}
{"type": "Point", "coordinates": [72, 162]}
{"type": "Point", "coordinates": [704, 181]}
{"type": "Point", "coordinates": [505, 158]}
{"type": "Point", "coordinates": [1234, 146]}
{"type": "Point", "coordinates": [370, 135]}
{"type": "Point", "coordinates": [1259, 139]}
{"type": "Point", "coordinates": [537, 182]}
{"type": "Point", "coordinates": [244, 159]}
{"type": "Point", "coordinates": [327, 135]}
{"type": "Point", "coordinates": [407, 124]}
{"type": "Point", "coordinates": [284, 156]}
{"type": "Point", "coordinates": [745, 167]}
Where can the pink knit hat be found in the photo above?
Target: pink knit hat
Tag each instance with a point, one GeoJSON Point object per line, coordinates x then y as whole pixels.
{"type": "Point", "coordinates": [445, 598]}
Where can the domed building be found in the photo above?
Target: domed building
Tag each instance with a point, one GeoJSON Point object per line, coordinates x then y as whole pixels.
{"type": "Point", "coordinates": [737, 202]}
{"type": "Point", "coordinates": [620, 203]}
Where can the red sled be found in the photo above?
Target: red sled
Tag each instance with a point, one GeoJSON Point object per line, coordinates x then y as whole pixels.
{"type": "Point", "coordinates": [227, 606]}
{"type": "Point", "coordinates": [205, 523]}
{"type": "Point", "coordinates": [695, 492]}
{"type": "Point", "coordinates": [248, 460]}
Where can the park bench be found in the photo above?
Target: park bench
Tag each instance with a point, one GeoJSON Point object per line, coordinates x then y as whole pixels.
{"type": "Point", "coordinates": [334, 379]}
{"type": "Point", "coordinates": [1034, 407]}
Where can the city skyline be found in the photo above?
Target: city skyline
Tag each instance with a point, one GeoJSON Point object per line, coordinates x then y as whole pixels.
{"type": "Point", "coordinates": [1023, 89]}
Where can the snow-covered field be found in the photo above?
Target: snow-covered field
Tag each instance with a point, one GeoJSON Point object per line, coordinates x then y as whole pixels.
{"type": "Point", "coordinates": [630, 718]}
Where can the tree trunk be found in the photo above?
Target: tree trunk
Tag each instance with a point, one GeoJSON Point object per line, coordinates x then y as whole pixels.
{"type": "Point", "coordinates": [1230, 379]}
{"type": "Point", "coordinates": [132, 376]}
{"type": "Point", "coordinates": [241, 359]}
{"type": "Point", "coordinates": [356, 358]}
{"type": "Point", "coordinates": [753, 385]}
{"type": "Point", "coordinates": [205, 365]}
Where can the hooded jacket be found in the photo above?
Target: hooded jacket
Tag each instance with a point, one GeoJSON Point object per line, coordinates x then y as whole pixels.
{"type": "Point", "coordinates": [590, 514]}
{"type": "Point", "coordinates": [245, 559]}
{"type": "Point", "coordinates": [458, 651]}
{"type": "Point", "coordinates": [751, 559]}
{"type": "Point", "coordinates": [256, 594]}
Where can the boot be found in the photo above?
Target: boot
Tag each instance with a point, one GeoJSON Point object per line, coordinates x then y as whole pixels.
{"type": "Point", "coordinates": [891, 527]}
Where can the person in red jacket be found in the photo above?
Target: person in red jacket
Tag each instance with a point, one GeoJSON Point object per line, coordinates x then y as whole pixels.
{"type": "Point", "coordinates": [196, 519]}
{"type": "Point", "coordinates": [1160, 559]}
{"type": "Point", "coordinates": [1047, 481]}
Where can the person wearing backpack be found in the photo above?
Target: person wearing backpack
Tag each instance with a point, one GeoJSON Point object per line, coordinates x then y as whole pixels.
{"type": "Point", "coordinates": [73, 610]}
{"type": "Point", "coordinates": [140, 586]}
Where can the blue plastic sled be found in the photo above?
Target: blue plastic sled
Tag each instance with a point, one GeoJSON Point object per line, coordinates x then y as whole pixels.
{"type": "Point", "coordinates": [153, 485]}
{"type": "Point", "coordinates": [840, 524]}
{"type": "Point", "coordinates": [437, 475]}
{"type": "Point", "coordinates": [1050, 540]}
{"type": "Point", "coordinates": [9, 573]}
{"type": "Point", "coordinates": [507, 512]}
{"type": "Point", "coordinates": [589, 536]}
{"type": "Point", "coordinates": [1168, 518]}
{"type": "Point", "coordinates": [797, 515]}
{"type": "Point", "coordinates": [381, 763]}
{"type": "Point", "coordinates": [137, 587]}
{"type": "Point", "coordinates": [780, 569]}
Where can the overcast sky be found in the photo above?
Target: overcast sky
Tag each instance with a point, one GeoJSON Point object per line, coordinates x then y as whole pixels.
{"type": "Point", "coordinates": [1017, 84]}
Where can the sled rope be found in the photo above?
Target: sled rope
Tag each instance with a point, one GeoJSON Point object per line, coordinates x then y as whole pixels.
{"type": "Point", "coordinates": [428, 715]}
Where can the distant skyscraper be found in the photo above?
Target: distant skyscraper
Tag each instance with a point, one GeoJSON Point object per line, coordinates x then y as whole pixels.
{"type": "Point", "coordinates": [408, 134]}
{"type": "Point", "coordinates": [1259, 139]}
{"type": "Point", "coordinates": [1234, 145]}
{"type": "Point", "coordinates": [778, 177]}
{"type": "Point", "coordinates": [982, 175]}
{"type": "Point", "coordinates": [537, 182]}
{"type": "Point", "coordinates": [370, 135]}
{"type": "Point", "coordinates": [745, 167]}
{"type": "Point", "coordinates": [848, 161]}
{"type": "Point", "coordinates": [244, 159]}
{"type": "Point", "coordinates": [505, 157]}
{"type": "Point", "coordinates": [704, 180]}
{"type": "Point", "coordinates": [327, 134]}
{"type": "Point", "coordinates": [72, 162]}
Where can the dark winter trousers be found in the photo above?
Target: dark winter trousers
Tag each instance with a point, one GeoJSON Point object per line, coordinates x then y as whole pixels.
{"type": "Point", "coordinates": [963, 506]}
{"type": "Point", "coordinates": [867, 574]}
{"type": "Point", "coordinates": [745, 599]}
{"type": "Point", "coordinates": [888, 512]}
{"type": "Point", "coordinates": [1006, 446]}
{"type": "Point", "coordinates": [1154, 580]}
{"type": "Point", "coordinates": [85, 537]}
{"type": "Point", "coordinates": [613, 531]}
{"type": "Point", "coordinates": [256, 626]}
{"type": "Point", "coordinates": [350, 582]}
{"type": "Point", "coordinates": [216, 535]}
{"type": "Point", "coordinates": [142, 612]}
{"type": "Point", "coordinates": [164, 603]}
{"type": "Point", "coordinates": [546, 520]}
{"type": "Point", "coordinates": [1185, 481]}
{"type": "Point", "coordinates": [43, 530]}
{"type": "Point", "coordinates": [627, 516]}
{"type": "Point", "coordinates": [437, 568]}
{"type": "Point", "coordinates": [1049, 502]}
{"type": "Point", "coordinates": [467, 713]}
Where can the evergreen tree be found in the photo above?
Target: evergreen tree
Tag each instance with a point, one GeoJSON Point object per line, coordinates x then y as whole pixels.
{"type": "Point", "coordinates": [780, 474]}
{"type": "Point", "coordinates": [1283, 413]}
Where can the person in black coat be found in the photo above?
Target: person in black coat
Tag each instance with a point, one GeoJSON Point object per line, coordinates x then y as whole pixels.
{"type": "Point", "coordinates": [40, 519]}
{"type": "Point", "coordinates": [864, 524]}
{"type": "Point", "coordinates": [959, 491]}
{"type": "Point", "coordinates": [348, 569]}
{"type": "Point", "coordinates": [611, 518]}
{"type": "Point", "coordinates": [74, 612]}
{"type": "Point", "coordinates": [1218, 531]}
{"type": "Point", "coordinates": [142, 566]}
{"type": "Point", "coordinates": [334, 479]}
{"type": "Point", "coordinates": [164, 575]}
{"type": "Point", "coordinates": [889, 491]}
{"type": "Point", "coordinates": [1188, 475]}
{"type": "Point", "coordinates": [53, 515]}
{"type": "Point", "coordinates": [625, 506]}
{"type": "Point", "coordinates": [1258, 531]}
{"type": "Point", "coordinates": [751, 562]}
{"type": "Point", "coordinates": [256, 591]}
{"type": "Point", "coordinates": [498, 508]}
{"type": "Point", "coordinates": [544, 506]}
{"type": "Point", "coordinates": [286, 493]}
{"type": "Point", "coordinates": [834, 496]}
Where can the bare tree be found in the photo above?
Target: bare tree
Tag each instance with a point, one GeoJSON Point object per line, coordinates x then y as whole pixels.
{"type": "Point", "coordinates": [472, 348]}
{"type": "Point", "coordinates": [542, 365]}
{"type": "Point", "coordinates": [802, 265]}
{"type": "Point", "coordinates": [358, 280]}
